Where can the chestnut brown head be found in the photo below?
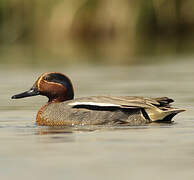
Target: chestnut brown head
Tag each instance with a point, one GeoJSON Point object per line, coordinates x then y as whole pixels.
{"type": "Point", "coordinates": [56, 86]}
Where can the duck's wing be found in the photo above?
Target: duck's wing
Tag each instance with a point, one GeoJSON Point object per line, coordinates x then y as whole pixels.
{"type": "Point", "coordinates": [155, 108]}
{"type": "Point", "coordinates": [122, 101]}
{"type": "Point", "coordinates": [109, 101]}
{"type": "Point", "coordinates": [159, 102]}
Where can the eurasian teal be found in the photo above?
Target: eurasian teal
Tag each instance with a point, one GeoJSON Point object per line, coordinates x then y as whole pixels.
{"type": "Point", "coordinates": [63, 110]}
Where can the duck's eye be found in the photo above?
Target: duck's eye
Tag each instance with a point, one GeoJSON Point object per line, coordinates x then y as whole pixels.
{"type": "Point", "coordinates": [54, 77]}
{"type": "Point", "coordinates": [50, 78]}
{"type": "Point", "coordinates": [46, 78]}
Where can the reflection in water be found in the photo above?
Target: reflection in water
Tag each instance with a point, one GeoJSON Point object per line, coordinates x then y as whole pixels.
{"type": "Point", "coordinates": [50, 130]}
{"type": "Point", "coordinates": [98, 128]}
{"type": "Point", "coordinates": [55, 135]}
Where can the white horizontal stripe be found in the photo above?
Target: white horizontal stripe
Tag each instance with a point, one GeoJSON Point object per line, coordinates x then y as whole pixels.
{"type": "Point", "coordinates": [93, 104]}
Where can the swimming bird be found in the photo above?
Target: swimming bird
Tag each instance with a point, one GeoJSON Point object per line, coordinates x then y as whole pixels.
{"type": "Point", "coordinates": [63, 110]}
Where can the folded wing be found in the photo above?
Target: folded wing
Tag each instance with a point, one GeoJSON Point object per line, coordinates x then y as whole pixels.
{"type": "Point", "coordinates": [155, 108]}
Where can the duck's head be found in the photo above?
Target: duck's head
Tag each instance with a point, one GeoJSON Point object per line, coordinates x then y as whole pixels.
{"type": "Point", "coordinates": [56, 86]}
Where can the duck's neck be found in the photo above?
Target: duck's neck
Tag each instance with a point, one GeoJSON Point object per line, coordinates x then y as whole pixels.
{"type": "Point", "coordinates": [58, 99]}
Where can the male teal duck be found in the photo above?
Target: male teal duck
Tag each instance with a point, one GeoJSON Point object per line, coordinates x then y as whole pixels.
{"type": "Point", "coordinates": [63, 110]}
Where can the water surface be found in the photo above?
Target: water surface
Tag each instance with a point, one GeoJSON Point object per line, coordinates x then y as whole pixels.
{"type": "Point", "coordinates": [154, 151]}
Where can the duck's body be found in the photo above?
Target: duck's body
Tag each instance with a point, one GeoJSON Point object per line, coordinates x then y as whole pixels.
{"type": "Point", "coordinates": [63, 110]}
{"type": "Point", "coordinates": [97, 110]}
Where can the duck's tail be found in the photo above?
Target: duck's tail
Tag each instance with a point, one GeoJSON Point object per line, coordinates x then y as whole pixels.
{"type": "Point", "coordinates": [164, 114]}
{"type": "Point", "coordinates": [170, 114]}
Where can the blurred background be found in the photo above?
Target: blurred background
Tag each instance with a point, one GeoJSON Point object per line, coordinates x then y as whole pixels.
{"type": "Point", "coordinates": [106, 47]}
{"type": "Point", "coordinates": [64, 32]}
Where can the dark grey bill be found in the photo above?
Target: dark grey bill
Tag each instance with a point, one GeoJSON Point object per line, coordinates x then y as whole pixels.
{"type": "Point", "coordinates": [31, 92]}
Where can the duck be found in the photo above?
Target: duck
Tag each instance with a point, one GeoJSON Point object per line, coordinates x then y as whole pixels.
{"type": "Point", "coordinates": [62, 109]}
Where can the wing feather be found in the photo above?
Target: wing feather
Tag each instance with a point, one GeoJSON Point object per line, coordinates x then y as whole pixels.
{"type": "Point", "coordinates": [115, 101]}
{"type": "Point", "coordinates": [155, 108]}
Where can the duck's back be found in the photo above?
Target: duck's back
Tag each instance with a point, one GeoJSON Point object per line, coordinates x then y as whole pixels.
{"type": "Point", "coordinates": [97, 110]}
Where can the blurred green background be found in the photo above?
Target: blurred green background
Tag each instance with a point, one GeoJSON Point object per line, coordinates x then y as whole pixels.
{"type": "Point", "coordinates": [39, 32]}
